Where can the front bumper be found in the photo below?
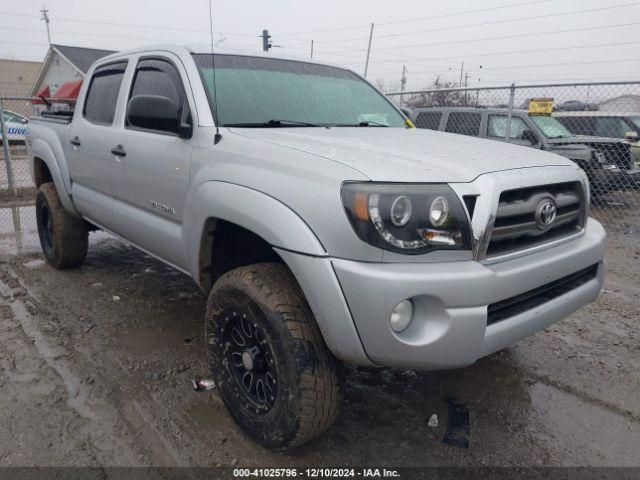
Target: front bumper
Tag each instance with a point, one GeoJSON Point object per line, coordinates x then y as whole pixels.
{"type": "Point", "coordinates": [449, 327]}
{"type": "Point", "coordinates": [607, 180]}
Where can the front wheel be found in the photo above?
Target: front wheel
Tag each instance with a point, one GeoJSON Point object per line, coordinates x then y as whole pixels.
{"type": "Point", "coordinates": [273, 370]}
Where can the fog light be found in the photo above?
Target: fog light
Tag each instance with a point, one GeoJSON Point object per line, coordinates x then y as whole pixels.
{"type": "Point", "coordinates": [401, 316]}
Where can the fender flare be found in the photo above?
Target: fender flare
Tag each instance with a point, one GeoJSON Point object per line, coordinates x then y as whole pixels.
{"type": "Point", "coordinates": [258, 212]}
{"type": "Point", "coordinates": [43, 151]}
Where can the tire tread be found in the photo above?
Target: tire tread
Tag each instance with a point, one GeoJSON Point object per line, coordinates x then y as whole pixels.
{"type": "Point", "coordinates": [319, 385]}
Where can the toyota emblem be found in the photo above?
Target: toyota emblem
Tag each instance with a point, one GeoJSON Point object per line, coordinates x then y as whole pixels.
{"type": "Point", "coordinates": [546, 213]}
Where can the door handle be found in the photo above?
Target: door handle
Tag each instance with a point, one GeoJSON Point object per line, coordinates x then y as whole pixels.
{"type": "Point", "coordinates": [75, 141]}
{"type": "Point", "coordinates": [118, 151]}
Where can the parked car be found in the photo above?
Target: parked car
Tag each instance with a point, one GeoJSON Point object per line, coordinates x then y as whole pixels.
{"type": "Point", "coordinates": [574, 106]}
{"type": "Point", "coordinates": [322, 227]}
{"type": "Point", "coordinates": [607, 162]}
{"type": "Point", "coordinates": [16, 127]}
{"type": "Point", "coordinates": [603, 124]}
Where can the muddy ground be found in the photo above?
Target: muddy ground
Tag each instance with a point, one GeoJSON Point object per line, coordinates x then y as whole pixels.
{"type": "Point", "coordinates": [95, 370]}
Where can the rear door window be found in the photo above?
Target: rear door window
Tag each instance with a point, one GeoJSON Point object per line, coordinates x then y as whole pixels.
{"type": "Point", "coordinates": [464, 123]}
{"type": "Point", "coordinates": [430, 120]}
{"type": "Point", "coordinates": [102, 96]}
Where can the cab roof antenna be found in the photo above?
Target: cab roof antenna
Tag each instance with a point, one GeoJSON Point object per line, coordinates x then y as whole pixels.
{"type": "Point", "coordinates": [218, 135]}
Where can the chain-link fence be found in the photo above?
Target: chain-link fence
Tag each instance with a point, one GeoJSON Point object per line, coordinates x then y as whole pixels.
{"type": "Point", "coordinates": [15, 177]}
{"type": "Point", "coordinates": [17, 191]}
{"type": "Point", "coordinates": [597, 125]}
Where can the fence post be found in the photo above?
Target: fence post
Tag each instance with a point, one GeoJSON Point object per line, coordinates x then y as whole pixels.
{"type": "Point", "coordinates": [5, 148]}
{"type": "Point", "coordinates": [512, 95]}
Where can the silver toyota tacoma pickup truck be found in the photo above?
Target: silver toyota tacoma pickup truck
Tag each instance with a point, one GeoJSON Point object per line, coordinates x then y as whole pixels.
{"type": "Point", "coordinates": [322, 226]}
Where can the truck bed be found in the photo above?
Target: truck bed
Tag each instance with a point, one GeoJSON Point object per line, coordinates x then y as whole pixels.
{"type": "Point", "coordinates": [57, 117]}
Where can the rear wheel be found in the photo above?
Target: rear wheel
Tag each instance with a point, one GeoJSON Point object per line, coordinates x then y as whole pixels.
{"type": "Point", "coordinates": [64, 239]}
{"type": "Point", "coordinates": [274, 373]}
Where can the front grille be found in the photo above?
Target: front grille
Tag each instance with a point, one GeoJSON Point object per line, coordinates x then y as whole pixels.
{"type": "Point", "coordinates": [618, 153]}
{"type": "Point", "coordinates": [515, 227]}
{"type": "Point", "coordinates": [527, 301]}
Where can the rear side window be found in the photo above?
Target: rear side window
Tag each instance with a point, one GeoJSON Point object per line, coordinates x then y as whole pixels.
{"type": "Point", "coordinates": [464, 123]}
{"type": "Point", "coordinates": [430, 120]}
{"type": "Point", "coordinates": [102, 97]}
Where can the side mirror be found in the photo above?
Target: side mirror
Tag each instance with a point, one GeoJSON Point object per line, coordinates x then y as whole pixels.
{"type": "Point", "coordinates": [157, 113]}
{"type": "Point", "coordinates": [631, 136]}
{"type": "Point", "coordinates": [530, 136]}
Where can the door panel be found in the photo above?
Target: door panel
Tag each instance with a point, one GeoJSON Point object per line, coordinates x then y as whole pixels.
{"type": "Point", "coordinates": [90, 135]}
{"type": "Point", "coordinates": [151, 181]}
{"type": "Point", "coordinates": [150, 189]}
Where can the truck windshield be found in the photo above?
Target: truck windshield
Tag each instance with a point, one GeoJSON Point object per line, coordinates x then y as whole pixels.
{"type": "Point", "coordinates": [265, 93]}
{"type": "Point", "coordinates": [636, 122]}
{"type": "Point", "coordinates": [551, 128]}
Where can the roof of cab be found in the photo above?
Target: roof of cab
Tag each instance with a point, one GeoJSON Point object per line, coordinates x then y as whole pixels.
{"type": "Point", "coordinates": [204, 49]}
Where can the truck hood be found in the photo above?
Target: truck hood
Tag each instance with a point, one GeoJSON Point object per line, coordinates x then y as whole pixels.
{"type": "Point", "coordinates": [406, 155]}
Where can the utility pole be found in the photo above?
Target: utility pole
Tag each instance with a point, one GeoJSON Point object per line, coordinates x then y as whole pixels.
{"type": "Point", "coordinates": [466, 84]}
{"type": "Point", "coordinates": [461, 69]}
{"type": "Point", "coordinates": [366, 65]}
{"type": "Point", "coordinates": [45, 17]}
{"type": "Point", "coordinates": [266, 44]}
{"type": "Point", "coordinates": [403, 80]}
{"type": "Point", "coordinates": [311, 48]}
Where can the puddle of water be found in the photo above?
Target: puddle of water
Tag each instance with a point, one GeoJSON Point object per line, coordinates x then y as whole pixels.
{"type": "Point", "coordinates": [147, 339]}
{"type": "Point", "coordinates": [586, 433]}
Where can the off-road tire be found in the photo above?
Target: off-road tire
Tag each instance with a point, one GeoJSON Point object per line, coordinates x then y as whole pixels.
{"type": "Point", "coordinates": [307, 395]}
{"type": "Point", "coordinates": [64, 239]}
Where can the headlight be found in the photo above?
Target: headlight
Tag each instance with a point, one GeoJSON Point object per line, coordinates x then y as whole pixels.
{"type": "Point", "coordinates": [410, 219]}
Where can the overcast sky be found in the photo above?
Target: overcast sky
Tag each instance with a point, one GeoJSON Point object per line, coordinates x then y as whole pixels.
{"type": "Point", "coordinates": [500, 41]}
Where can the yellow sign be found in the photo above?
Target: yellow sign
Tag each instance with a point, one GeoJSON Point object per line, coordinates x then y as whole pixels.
{"type": "Point", "coordinates": [540, 106]}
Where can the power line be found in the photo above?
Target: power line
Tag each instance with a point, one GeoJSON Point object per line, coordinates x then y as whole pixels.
{"type": "Point", "coordinates": [105, 35]}
{"type": "Point", "coordinates": [629, 78]}
{"type": "Point", "coordinates": [514, 52]}
{"type": "Point", "coordinates": [24, 43]}
{"type": "Point", "coordinates": [20, 15]}
{"type": "Point", "coordinates": [493, 22]}
{"type": "Point", "coordinates": [504, 37]}
{"type": "Point", "coordinates": [416, 19]}
{"type": "Point", "coordinates": [59, 19]}
{"type": "Point", "coordinates": [516, 67]}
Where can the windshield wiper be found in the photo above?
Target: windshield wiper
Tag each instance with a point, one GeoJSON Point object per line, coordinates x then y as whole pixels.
{"type": "Point", "coordinates": [274, 122]}
{"type": "Point", "coordinates": [370, 123]}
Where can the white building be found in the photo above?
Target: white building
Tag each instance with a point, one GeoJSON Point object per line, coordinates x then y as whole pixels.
{"type": "Point", "coordinates": [623, 103]}
{"type": "Point", "coordinates": [63, 64]}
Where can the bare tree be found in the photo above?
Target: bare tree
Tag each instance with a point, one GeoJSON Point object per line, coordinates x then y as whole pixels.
{"type": "Point", "coordinates": [440, 95]}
